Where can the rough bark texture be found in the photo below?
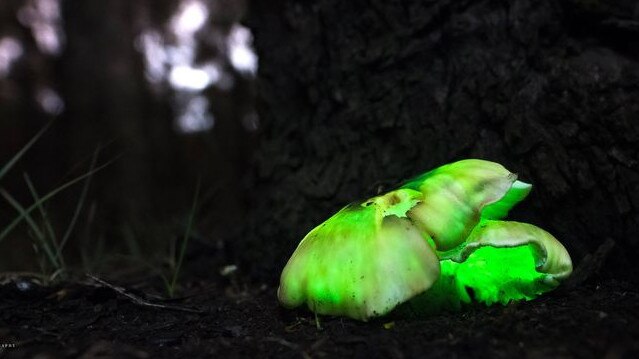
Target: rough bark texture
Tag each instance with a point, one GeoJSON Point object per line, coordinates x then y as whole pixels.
{"type": "Point", "coordinates": [362, 94]}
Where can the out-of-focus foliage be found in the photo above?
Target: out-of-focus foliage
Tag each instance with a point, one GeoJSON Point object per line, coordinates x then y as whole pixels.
{"type": "Point", "coordinates": [167, 85]}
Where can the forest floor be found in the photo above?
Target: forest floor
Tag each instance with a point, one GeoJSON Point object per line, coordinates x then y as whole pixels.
{"type": "Point", "coordinates": [226, 318]}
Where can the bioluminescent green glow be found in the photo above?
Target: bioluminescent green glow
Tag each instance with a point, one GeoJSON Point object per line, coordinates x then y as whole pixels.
{"type": "Point", "coordinates": [436, 242]}
{"type": "Point", "coordinates": [344, 265]}
{"type": "Point", "coordinates": [496, 275]}
{"type": "Point", "coordinates": [489, 275]}
{"type": "Point", "coordinates": [454, 194]}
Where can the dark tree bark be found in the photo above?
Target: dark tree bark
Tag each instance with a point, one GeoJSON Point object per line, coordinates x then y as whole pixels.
{"type": "Point", "coordinates": [358, 94]}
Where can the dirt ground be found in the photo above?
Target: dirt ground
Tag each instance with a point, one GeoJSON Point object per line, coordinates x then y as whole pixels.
{"type": "Point", "coordinates": [227, 318]}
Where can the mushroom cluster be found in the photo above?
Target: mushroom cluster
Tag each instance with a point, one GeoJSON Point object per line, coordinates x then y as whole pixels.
{"type": "Point", "coordinates": [437, 239]}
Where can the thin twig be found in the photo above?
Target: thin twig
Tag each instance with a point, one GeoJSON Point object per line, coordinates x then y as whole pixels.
{"type": "Point", "coordinates": [141, 301]}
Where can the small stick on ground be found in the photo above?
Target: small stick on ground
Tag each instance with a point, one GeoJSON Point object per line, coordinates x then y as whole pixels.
{"type": "Point", "coordinates": [141, 301]}
{"type": "Point", "coordinates": [590, 265]}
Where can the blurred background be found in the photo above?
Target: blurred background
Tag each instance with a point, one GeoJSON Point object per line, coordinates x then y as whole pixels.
{"type": "Point", "coordinates": [162, 88]}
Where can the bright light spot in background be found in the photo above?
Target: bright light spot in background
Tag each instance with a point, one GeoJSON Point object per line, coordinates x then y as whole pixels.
{"type": "Point", "coordinates": [196, 116]}
{"type": "Point", "coordinates": [175, 63]}
{"type": "Point", "coordinates": [44, 19]}
{"type": "Point", "coordinates": [182, 54]}
{"type": "Point", "coordinates": [10, 51]}
{"type": "Point", "coordinates": [47, 39]}
{"type": "Point", "coordinates": [242, 56]}
{"type": "Point", "coordinates": [170, 61]}
{"type": "Point", "coordinates": [50, 101]}
{"type": "Point", "coordinates": [190, 18]}
{"type": "Point", "coordinates": [150, 44]}
{"type": "Point", "coordinates": [193, 79]}
{"type": "Point", "coordinates": [188, 78]}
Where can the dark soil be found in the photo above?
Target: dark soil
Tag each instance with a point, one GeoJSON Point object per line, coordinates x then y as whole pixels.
{"type": "Point", "coordinates": [87, 320]}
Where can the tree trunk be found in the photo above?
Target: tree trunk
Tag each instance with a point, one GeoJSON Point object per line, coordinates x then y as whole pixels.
{"type": "Point", "coordinates": [361, 94]}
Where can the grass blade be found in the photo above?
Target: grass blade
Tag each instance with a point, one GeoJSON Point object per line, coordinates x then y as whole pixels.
{"type": "Point", "coordinates": [38, 233]}
{"type": "Point", "coordinates": [5, 169]}
{"type": "Point", "coordinates": [43, 212]}
{"type": "Point", "coordinates": [47, 197]}
{"type": "Point", "coordinates": [80, 205]}
{"type": "Point", "coordinates": [187, 234]}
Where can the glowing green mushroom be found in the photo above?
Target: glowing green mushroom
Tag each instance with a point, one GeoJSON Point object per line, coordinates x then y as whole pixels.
{"type": "Point", "coordinates": [362, 262]}
{"type": "Point", "coordinates": [455, 194]}
{"type": "Point", "coordinates": [435, 241]}
{"type": "Point", "coordinates": [551, 259]}
{"type": "Point", "coordinates": [499, 262]}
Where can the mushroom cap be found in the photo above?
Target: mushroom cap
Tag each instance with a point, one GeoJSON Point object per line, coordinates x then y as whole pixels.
{"type": "Point", "coordinates": [550, 257]}
{"type": "Point", "coordinates": [501, 261]}
{"type": "Point", "coordinates": [361, 262]}
{"type": "Point", "coordinates": [455, 194]}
